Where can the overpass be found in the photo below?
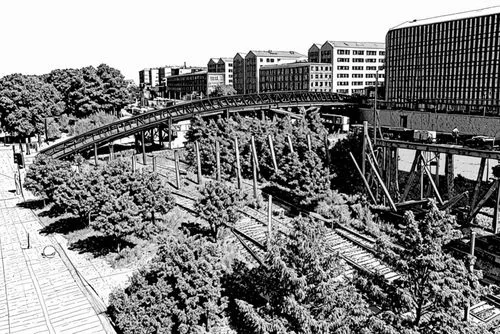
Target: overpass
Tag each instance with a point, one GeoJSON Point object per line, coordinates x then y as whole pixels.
{"type": "Point", "coordinates": [185, 111]}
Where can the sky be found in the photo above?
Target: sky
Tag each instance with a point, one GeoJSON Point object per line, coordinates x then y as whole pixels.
{"type": "Point", "coordinates": [39, 36]}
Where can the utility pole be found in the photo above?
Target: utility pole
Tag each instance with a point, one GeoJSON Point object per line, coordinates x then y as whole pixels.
{"type": "Point", "coordinates": [375, 110]}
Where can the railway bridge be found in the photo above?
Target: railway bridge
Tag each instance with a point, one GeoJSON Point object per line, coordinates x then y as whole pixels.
{"type": "Point", "coordinates": [161, 120]}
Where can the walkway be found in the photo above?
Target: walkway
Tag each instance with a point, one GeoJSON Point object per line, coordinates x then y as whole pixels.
{"type": "Point", "coordinates": [38, 294]}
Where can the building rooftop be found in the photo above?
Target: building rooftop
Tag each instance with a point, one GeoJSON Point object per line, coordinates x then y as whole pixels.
{"type": "Point", "coordinates": [318, 45]}
{"type": "Point", "coordinates": [226, 59]}
{"type": "Point", "coordinates": [282, 54]}
{"type": "Point", "coordinates": [215, 60]}
{"type": "Point", "coordinates": [191, 73]}
{"type": "Point", "coordinates": [449, 17]}
{"type": "Point", "coordinates": [361, 45]}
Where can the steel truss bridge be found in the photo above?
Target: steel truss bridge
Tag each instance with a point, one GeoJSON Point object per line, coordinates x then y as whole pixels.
{"type": "Point", "coordinates": [161, 118]}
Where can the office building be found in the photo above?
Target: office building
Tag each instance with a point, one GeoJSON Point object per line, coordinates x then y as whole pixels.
{"type": "Point", "coordinates": [239, 72]}
{"type": "Point", "coordinates": [200, 83]}
{"type": "Point", "coordinates": [222, 65]}
{"type": "Point", "coordinates": [300, 76]}
{"type": "Point", "coordinates": [354, 64]}
{"type": "Point", "coordinates": [448, 63]}
{"type": "Point", "coordinates": [254, 60]}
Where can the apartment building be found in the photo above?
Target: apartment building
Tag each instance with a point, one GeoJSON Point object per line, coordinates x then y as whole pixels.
{"type": "Point", "coordinates": [254, 60]}
{"type": "Point", "coordinates": [313, 54]}
{"type": "Point", "coordinates": [354, 65]}
{"type": "Point", "coordinates": [299, 76]}
{"type": "Point", "coordinates": [447, 63]}
{"type": "Point", "coordinates": [212, 65]}
{"type": "Point", "coordinates": [239, 72]}
{"type": "Point", "coordinates": [225, 65]}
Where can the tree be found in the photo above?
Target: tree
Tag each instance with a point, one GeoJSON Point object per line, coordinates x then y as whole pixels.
{"type": "Point", "coordinates": [25, 100]}
{"type": "Point", "coordinates": [219, 205]}
{"type": "Point", "coordinates": [431, 281]}
{"type": "Point", "coordinates": [47, 174]}
{"type": "Point", "coordinates": [178, 292]}
{"type": "Point", "coordinates": [298, 290]}
{"type": "Point", "coordinates": [303, 177]}
{"type": "Point", "coordinates": [345, 176]}
{"type": "Point", "coordinates": [116, 94]}
{"type": "Point", "coordinates": [223, 90]}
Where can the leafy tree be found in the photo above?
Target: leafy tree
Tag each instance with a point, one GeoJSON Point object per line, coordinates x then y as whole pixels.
{"type": "Point", "coordinates": [47, 174]}
{"type": "Point", "coordinates": [178, 292]}
{"type": "Point", "coordinates": [345, 176]}
{"type": "Point", "coordinates": [223, 90]}
{"type": "Point", "coordinates": [303, 177]}
{"type": "Point", "coordinates": [25, 100]}
{"type": "Point", "coordinates": [219, 205]}
{"type": "Point", "coordinates": [115, 93]}
{"type": "Point", "coordinates": [53, 130]}
{"type": "Point", "coordinates": [91, 122]}
{"type": "Point", "coordinates": [79, 195]}
{"type": "Point", "coordinates": [298, 290]}
{"type": "Point", "coordinates": [432, 281]}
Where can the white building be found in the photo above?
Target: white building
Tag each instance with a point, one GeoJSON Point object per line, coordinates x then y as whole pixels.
{"type": "Point", "coordinates": [225, 65]}
{"type": "Point", "coordinates": [354, 64]}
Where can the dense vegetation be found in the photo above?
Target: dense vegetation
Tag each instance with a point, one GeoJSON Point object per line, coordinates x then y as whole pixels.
{"type": "Point", "coordinates": [27, 100]}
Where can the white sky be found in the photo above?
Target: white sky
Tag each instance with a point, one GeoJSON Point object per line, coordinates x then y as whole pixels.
{"type": "Point", "coordinates": [40, 35]}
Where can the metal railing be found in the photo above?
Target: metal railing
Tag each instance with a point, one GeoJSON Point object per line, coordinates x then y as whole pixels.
{"type": "Point", "coordinates": [126, 127]}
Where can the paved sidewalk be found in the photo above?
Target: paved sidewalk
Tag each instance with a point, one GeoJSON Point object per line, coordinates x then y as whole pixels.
{"type": "Point", "coordinates": [38, 294]}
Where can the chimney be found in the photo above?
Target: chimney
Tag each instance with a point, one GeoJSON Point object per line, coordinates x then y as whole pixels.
{"type": "Point", "coordinates": [185, 65]}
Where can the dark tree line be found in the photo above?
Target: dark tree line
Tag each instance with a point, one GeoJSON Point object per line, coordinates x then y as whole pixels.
{"type": "Point", "coordinates": [26, 100]}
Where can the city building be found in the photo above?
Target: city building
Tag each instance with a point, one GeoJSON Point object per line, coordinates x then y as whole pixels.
{"type": "Point", "coordinates": [254, 60]}
{"type": "Point", "coordinates": [225, 65]}
{"type": "Point", "coordinates": [145, 78]}
{"type": "Point", "coordinates": [156, 76]}
{"type": "Point", "coordinates": [222, 65]}
{"type": "Point", "coordinates": [201, 83]}
{"type": "Point", "coordinates": [447, 63]}
{"type": "Point", "coordinates": [313, 54]}
{"type": "Point", "coordinates": [212, 65]}
{"type": "Point", "coordinates": [355, 65]}
{"type": "Point", "coordinates": [239, 72]}
{"type": "Point", "coordinates": [300, 76]}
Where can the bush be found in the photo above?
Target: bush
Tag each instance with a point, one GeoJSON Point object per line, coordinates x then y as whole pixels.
{"type": "Point", "coordinates": [178, 292]}
{"type": "Point", "coordinates": [47, 174]}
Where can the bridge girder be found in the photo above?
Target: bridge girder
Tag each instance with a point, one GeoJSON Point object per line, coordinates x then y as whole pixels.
{"type": "Point", "coordinates": [185, 111]}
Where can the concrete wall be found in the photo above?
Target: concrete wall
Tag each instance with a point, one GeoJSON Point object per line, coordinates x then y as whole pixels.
{"type": "Point", "coordinates": [466, 124]}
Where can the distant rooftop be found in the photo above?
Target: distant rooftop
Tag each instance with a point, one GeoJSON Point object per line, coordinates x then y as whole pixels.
{"type": "Point", "coordinates": [296, 64]}
{"type": "Point", "coordinates": [283, 54]}
{"type": "Point", "coordinates": [449, 17]}
{"type": "Point", "coordinates": [361, 45]}
{"type": "Point", "coordinates": [226, 59]}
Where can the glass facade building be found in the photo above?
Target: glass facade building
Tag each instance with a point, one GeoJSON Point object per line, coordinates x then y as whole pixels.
{"type": "Point", "coordinates": [449, 64]}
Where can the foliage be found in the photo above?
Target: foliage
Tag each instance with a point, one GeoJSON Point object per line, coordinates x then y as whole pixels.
{"type": "Point", "coordinates": [25, 100]}
{"type": "Point", "coordinates": [223, 90]}
{"type": "Point", "coordinates": [432, 282]}
{"type": "Point", "coordinates": [89, 90]}
{"type": "Point", "coordinates": [298, 290]}
{"type": "Point", "coordinates": [178, 292]}
{"type": "Point", "coordinates": [94, 121]}
{"type": "Point", "coordinates": [53, 131]}
{"type": "Point", "coordinates": [47, 174]}
{"type": "Point", "coordinates": [303, 177]}
{"type": "Point", "coordinates": [346, 178]}
{"type": "Point", "coordinates": [219, 205]}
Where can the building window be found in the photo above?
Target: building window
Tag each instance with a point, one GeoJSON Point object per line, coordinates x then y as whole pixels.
{"type": "Point", "coordinates": [357, 68]}
{"type": "Point", "coordinates": [342, 75]}
{"type": "Point", "coordinates": [371, 60]}
{"type": "Point", "coordinates": [381, 53]}
{"type": "Point", "coordinates": [343, 91]}
{"type": "Point", "coordinates": [358, 60]}
{"type": "Point", "coordinates": [357, 75]}
{"type": "Point", "coordinates": [343, 83]}
{"type": "Point", "coordinates": [357, 83]}
{"type": "Point", "coordinates": [371, 68]}
{"type": "Point", "coordinates": [381, 68]}
{"type": "Point", "coordinates": [358, 52]}
{"type": "Point", "coordinates": [343, 60]}
{"type": "Point", "coordinates": [261, 60]}
{"type": "Point", "coordinates": [381, 60]}
{"type": "Point", "coordinates": [371, 53]}
{"type": "Point", "coordinates": [272, 60]}
{"type": "Point", "coordinates": [370, 83]}
{"type": "Point", "coordinates": [343, 68]}
{"type": "Point", "coordinates": [343, 52]}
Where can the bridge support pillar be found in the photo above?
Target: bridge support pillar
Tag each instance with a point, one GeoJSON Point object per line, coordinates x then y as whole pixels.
{"type": "Point", "coordinates": [450, 175]}
{"type": "Point", "coordinates": [177, 171]}
{"type": "Point", "coordinates": [170, 132]}
{"type": "Point", "coordinates": [495, 212]}
{"type": "Point", "coordinates": [111, 152]}
{"type": "Point", "coordinates": [160, 135]}
{"type": "Point", "coordinates": [152, 136]}
{"type": "Point", "coordinates": [217, 159]}
{"type": "Point", "coordinates": [238, 165]}
{"type": "Point", "coordinates": [143, 144]}
{"type": "Point", "coordinates": [95, 154]}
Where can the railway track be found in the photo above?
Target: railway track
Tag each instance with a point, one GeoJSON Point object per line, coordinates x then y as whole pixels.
{"type": "Point", "coordinates": [354, 248]}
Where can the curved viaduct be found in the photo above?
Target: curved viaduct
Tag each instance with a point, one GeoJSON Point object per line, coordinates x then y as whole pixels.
{"type": "Point", "coordinates": [205, 107]}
